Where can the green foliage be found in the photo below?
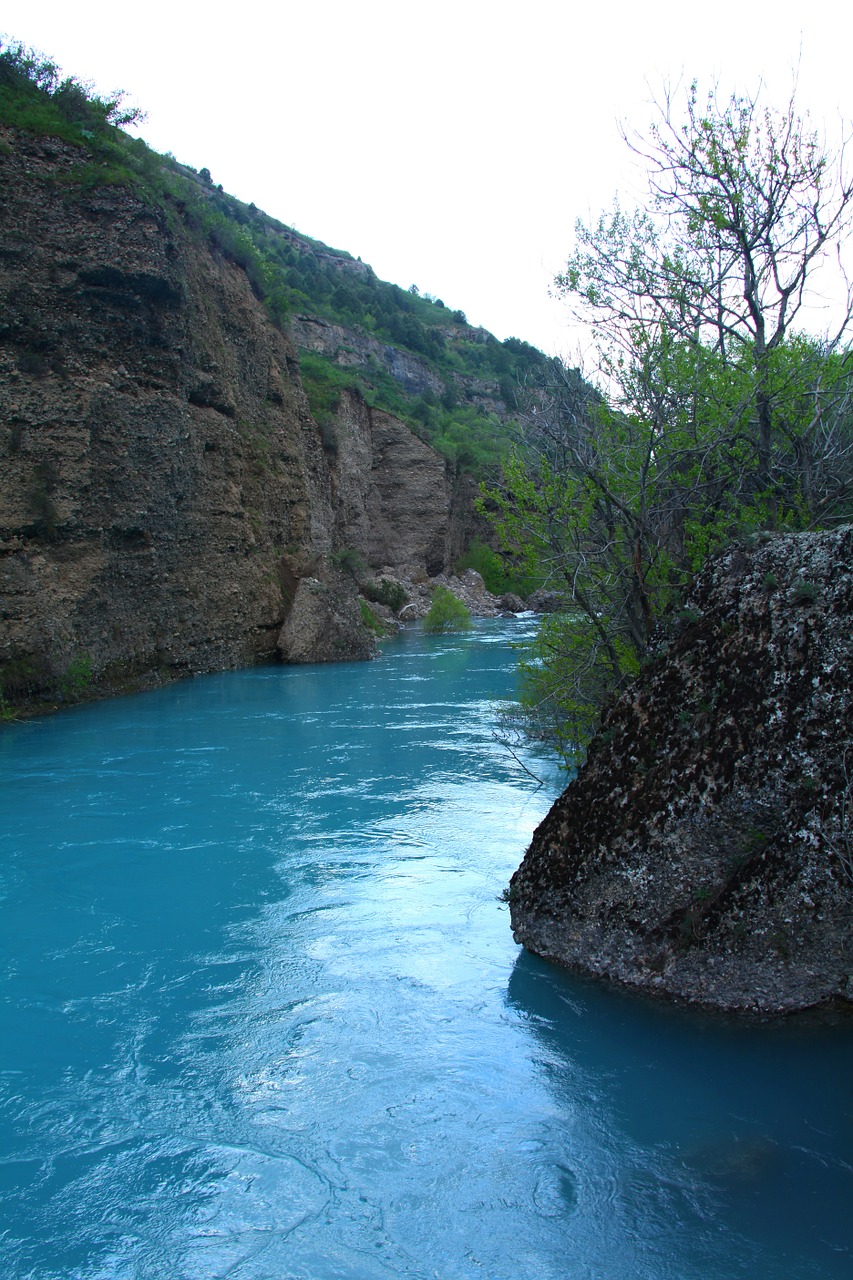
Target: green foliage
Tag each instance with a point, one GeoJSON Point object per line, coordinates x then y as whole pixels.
{"type": "Point", "coordinates": [391, 594]}
{"type": "Point", "coordinates": [618, 510]}
{"type": "Point", "coordinates": [567, 674]}
{"type": "Point", "coordinates": [717, 423]}
{"type": "Point", "coordinates": [497, 571]}
{"type": "Point", "coordinates": [804, 592]}
{"type": "Point", "coordinates": [351, 561]}
{"type": "Point", "coordinates": [446, 612]}
{"type": "Point", "coordinates": [472, 441]}
{"type": "Point", "coordinates": [34, 97]}
{"type": "Point", "coordinates": [373, 622]}
{"type": "Point", "coordinates": [323, 382]}
{"type": "Point", "coordinates": [77, 678]}
{"type": "Point", "coordinates": [28, 680]}
{"type": "Point", "coordinates": [713, 273]}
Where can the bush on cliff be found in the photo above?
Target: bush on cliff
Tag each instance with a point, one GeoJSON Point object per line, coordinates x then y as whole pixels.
{"type": "Point", "coordinates": [386, 591]}
{"type": "Point", "coordinates": [373, 622]}
{"type": "Point", "coordinates": [34, 96]}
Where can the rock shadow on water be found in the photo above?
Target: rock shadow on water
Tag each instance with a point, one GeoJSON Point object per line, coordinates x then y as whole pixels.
{"type": "Point", "coordinates": [735, 1137]}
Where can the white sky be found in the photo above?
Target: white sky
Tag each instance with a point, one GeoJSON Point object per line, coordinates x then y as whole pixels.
{"type": "Point", "coordinates": [452, 145]}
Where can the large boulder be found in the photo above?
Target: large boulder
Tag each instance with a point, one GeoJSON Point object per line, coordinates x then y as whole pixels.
{"type": "Point", "coordinates": [545, 601]}
{"type": "Point", "coordinates": [325, 624]}
{"type": "Point", "coordinates": [705, 849]}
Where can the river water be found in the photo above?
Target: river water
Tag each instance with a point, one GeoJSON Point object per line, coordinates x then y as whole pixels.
{"type": "Point", "coordinates": [263, 1017]}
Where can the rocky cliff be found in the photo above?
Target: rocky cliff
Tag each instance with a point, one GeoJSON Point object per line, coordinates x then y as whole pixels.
{"type": "Point", "coordinates": [164, 489]}
{"type": "Point", "coordinates": [705, 849]}
{"type": "Point", "coordinates": [391, 497]}
{"type": "Point", "coordinates": [358, 350]}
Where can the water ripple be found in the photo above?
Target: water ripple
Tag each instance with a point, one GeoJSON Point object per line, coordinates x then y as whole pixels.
{"type": "Point", "coordinates": [263, 1014]}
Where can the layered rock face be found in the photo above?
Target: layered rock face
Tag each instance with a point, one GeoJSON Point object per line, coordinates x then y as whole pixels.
{"type": "Point", "coordinates": [163, 487]}
{"type": "Point", "coordinates": [359, 350]}
{"type": "Point", "coordinates": [391, 495]}
{"type": "Point", "coordinates": [705, 849]}
{"type": "Point", "coordinates": [415, 375]}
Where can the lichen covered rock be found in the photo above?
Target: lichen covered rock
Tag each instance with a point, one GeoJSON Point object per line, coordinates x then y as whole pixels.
{"type": "Point", "coordinates": [705, 849]}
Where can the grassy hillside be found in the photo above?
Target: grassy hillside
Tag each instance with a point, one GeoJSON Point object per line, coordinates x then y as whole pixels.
{"type": "Point", "coordinates": [466, 401]}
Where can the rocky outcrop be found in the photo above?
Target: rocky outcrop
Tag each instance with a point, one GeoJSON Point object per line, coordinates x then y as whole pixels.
{"type": "Point", "coordinates": [324, 624]}
{"type": "Point", "coordinates": [163, 487]}
{"type": "Point", "coordinates": [393, 499]}
{"type": "Point", "coordinates": [705, 849]}
{"type": "Point", "coordinates": [352, 349]}
{"type": "Point", "coordinates": [469, 588]}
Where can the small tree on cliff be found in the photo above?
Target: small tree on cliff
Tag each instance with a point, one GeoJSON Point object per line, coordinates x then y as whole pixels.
{"type": "Point", "coordinates": [714, 417]}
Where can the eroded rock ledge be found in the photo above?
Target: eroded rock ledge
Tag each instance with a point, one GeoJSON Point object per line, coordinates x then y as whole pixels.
{"type": "Point", "coordinates": [705, 849]}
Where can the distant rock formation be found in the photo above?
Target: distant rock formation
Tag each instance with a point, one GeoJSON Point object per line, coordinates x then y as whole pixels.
{"type": "Point", "coordinates": [705, 849]}
{"type": "Point", "coordinates": [356, 350]}
{"type": "Point", "coordinates": [392, 499]}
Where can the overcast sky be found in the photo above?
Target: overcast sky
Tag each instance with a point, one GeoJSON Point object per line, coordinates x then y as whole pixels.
{"type": "Point", "coordinates": [451, 145]}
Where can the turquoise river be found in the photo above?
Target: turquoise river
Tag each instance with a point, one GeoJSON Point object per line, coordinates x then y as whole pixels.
{"type": "Point", "coordinates": [263, 1017]}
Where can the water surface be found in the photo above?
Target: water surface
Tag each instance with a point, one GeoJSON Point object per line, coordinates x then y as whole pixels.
{"type": "Point", "coordinates": [263, 1017]}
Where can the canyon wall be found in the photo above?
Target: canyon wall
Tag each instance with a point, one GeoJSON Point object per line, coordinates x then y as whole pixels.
{"type": "Point", "coordinates": [163, 487]}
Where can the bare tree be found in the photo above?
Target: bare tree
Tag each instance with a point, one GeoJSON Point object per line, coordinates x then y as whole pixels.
{"type": "Point", "coordinates": [714, 416]}
{"type": "Point", "coordinates": [745, 204]}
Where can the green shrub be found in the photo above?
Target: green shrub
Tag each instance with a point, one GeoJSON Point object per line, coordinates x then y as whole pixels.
{"type": "Point", "coordinates": [372, 620]}
{"type": "Point", "coordinates": [804, 592]}
{"type": "Point", "coordinates": [350, 561]}
{"type": "Point", "coordinates": [78, 677]}
{"type": "Point", "coordinates": [499, 575]}
{"type": "Point", "coordinates": [447, 613]}
{"type": "Point", "coordinates": [323, 383]}
{"type": "Point", "coordinates": [391, 594]}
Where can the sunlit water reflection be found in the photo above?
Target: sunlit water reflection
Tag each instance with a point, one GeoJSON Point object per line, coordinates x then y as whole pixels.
{"type": "Point", "coordinates": [263, 1016]}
